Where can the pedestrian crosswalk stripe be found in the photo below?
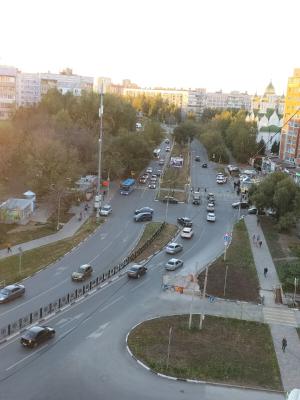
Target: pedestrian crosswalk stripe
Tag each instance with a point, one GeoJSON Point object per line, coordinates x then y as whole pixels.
{"type": "Point", "coordinates": [279, 316]}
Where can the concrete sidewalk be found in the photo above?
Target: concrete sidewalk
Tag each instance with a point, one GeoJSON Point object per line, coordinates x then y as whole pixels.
{"type": "Point", "coordinates": [289, 361]}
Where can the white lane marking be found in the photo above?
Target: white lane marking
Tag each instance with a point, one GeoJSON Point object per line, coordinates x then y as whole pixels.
{"type": "Point", "coordinates": [111, 304]}
{"type": "Point", "coordinates": [65, 321]}
{"type": "Point", "coordinates": [25, 358]}
{"type": "Point", "coordinates": [98, 332]}
{"type": "Point", "coordinates": [138, 286]}
{"type": "Point", "coordinates": [103, 236]}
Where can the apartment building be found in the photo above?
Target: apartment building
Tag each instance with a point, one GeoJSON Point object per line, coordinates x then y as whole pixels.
{"type": "Point", "coordinates": [235, 100]}
{"type": "Point", "coordinates": [289, 138]}
{"type": "Point", "coordinates": [8, 76]}
{"type": "Point", "coordinates": [196, 102]}
{"type": "Point", "coordinates": [66, 82]}
{"type": "Point", "coordinates": [28, 89]}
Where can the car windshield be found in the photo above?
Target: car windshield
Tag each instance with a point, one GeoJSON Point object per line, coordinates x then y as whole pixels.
{"type": "Point", "coordinates": [106, 208]}
{"type": "Point", "coordinates": [31, 333]}
{"type": "Point", "coordinates": [82, 269]}
{"type": "Point", "coordinates": [133, 269]}
{"type": "Point", "coordinates": [5, 291]}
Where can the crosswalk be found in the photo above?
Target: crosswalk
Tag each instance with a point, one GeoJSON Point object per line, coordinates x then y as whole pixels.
{"type": "Point", "coordinates": [279, 316]}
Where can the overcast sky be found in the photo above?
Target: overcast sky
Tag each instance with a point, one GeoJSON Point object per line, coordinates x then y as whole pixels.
{"type": "Point", "coordinates": [212, 44]}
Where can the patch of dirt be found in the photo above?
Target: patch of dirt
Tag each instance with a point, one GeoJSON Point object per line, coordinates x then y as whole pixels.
{"type": "Point", "coordinates": [31, 226]}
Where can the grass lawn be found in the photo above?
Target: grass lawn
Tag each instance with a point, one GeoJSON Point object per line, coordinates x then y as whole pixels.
{"type": "Point", "coordinates": [36, 259]}
{"type": "Point", "coordinates": [242, 282]}
{"type": "Point", "coordinates": [272, 237]}
{"type": "Point", "coordinates": [225, 350]}
{"type": "Point", "coordinates": [177, 178]}
{"type": "Point", "coordinates": [162, 239]}
{"type": "Point", "coordinates": [180, 196]}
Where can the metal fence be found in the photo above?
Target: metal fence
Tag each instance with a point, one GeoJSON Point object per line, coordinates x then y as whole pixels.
{"type": "Point", "coordinates": [70, 297]}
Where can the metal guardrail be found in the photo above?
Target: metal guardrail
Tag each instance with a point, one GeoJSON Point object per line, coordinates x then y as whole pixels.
{"type": "Point", "coordinates": [70, 297]}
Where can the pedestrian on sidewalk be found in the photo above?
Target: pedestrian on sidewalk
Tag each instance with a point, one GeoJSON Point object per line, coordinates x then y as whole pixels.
{"type": "Point", "coordinates": [284, 344]}
{"type": "Point", "coordinates": [257, 239]}
{"type": "Point", "coordinates": [258, 220]}
{"type": "Point", "coordinates": [265, 271]}
{"type": "Point", "coordinates": [253, 238]}
{"type": "Point", "coordinates": [9, 248]}
{"type": "Point", "coordinates": [260, 243]}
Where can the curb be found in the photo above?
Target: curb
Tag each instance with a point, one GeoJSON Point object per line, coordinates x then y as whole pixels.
{"type": "Point", "coordinates": [174, 378]}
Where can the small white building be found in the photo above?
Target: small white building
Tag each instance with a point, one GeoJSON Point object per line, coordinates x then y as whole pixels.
{"type": "Point", "coordinates": [16, 211]}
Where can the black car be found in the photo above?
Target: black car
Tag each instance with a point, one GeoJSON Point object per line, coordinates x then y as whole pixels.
{"type": "Point", "coordinates": [204, 165]}
{"type": "Point", "coordinates": [170, 200]}
{"type": "Point", "coordinates": [144, 210]}
{"type": "Point", "coordinates": [185, 221]}
{"type": "Point", "coordinates": [36, 335]}
{"type": "Point", "coordinates": [146, 216]}
{"type": "Point", "coordinates": [136, 271]}
{"type": "Point", "coordinates": [197, 158]}
{"type": "Point", "coordinates": [11, 292]}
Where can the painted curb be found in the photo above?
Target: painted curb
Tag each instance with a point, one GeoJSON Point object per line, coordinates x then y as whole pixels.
{"type": "Point", "coordinates": [174, 378]}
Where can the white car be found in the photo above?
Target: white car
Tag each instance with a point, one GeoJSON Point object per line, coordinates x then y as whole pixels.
{"type": "Point", "coordinates": [211, 217]}
{"type": "Point", "coordinates": [105, 210]}
{"type": "Point", "coordinates": [210, 207]}
{"type": "Point", "coordinates": [168, 148]}
{"type": "Point", "coordinates": [173, 248]}
{"type": "Point", "coordinates": [187, 233]}
{"type": "Point", "coordinates": [173, 264]}
{"type": "Point", "coordinates": [152, 185]}
{"type": "Point", "coordinates": [149, 170]}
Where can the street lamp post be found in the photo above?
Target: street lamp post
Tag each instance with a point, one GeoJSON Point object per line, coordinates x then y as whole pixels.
{"type": "Point", "coordinates": [100, 153]}
{"type": "Point", "coordinates": [20, 259]}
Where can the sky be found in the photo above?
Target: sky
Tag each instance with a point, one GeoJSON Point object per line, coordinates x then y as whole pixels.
{"type": "Point", "coordinates": [213, 44]}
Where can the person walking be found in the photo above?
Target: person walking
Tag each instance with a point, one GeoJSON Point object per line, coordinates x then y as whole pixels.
{"type": "Point", "coordinates": [9, 248]}
{"type": "Point", "coordinates": [258, 220]}
{"type": "Point", "coordinates": [257, 239]}
{"type": "Point", "coordinates": [260, 243]}
{"type": "Point", "coordinates": [284, 344]}
{"type": "Point", "coordinates": [265, 272]}
{"type": "Point", "coordinates": [253, 238]}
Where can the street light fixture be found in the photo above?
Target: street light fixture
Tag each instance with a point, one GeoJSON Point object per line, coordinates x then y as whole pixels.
{"type": "Point", "coordinates": [98, 196]}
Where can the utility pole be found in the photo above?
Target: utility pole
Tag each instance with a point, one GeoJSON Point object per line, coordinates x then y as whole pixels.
{"type": "Point", "coordinates": [203, 298]}
{"type": "Point", "coordinates": [20, 260]}
{"type": "Point", "coordinates": [295, 290]}
{"type": "Point", "coordinates": [58, 210]}
{"type": "Point", "coordinates": [169, 346]}
{"type": "Point", "coordinates": [98, 196]}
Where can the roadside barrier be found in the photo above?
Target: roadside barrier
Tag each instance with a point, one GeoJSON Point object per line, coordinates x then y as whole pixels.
{"type": "Point", "coordinates": [70, 297]}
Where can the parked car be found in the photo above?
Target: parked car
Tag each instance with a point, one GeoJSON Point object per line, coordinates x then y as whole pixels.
{"type": "Point", "coordinates": [170, 200]}
{"type": "Point", "coordinates": [185, 221]}
{"type": "Point", "coordinates": [173, 264]}
{"type": "Point", "coordinates": [168, 148]}
{"type": "Point", "coordinates": [167, 141]}
{"type": "Point", "coordinates": [144, 210]}
{"type": "Point", "coordinates": [211, 217]}
{"type": "Point", "coordinates": [210, 207]}
{"type": "Point", "coordinates": [145, 216]}
{"type": "Point", "coordinates": [136, 271]}
{"type": "Point", "coordinates": [152, 185]}
{"type": "Point", "coordinates": [161, 161]}
{"type": "Point", "coordinates": [36, 335]}
{"type": "Point", "coordinates": [158, 172]}
{"type": "Point", "coordinates": [143, 179]}
{"type": "Point", "coordinates": [197, 158]}
{"type": "Point", "coordinates": [252, 210]}
{"type": "Point", "coordinates": [11, 292]}
{"type": "Point", "coordinates": [187, 233]}
{"type": "Point", "coordinates": [242, 204]}
{"type": "Point", "coordinates": [106, 210]}
{"type": "Point", "coordinates": [204, 165]}
{"type": "Point", "coordinates": [84, 271]}
{"type": "Point", "coordinates": [173, 248]}
{"type": "Point", "coordinates": [149, 170]}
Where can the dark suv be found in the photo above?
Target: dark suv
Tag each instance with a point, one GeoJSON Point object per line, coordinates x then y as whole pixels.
{"type": "Point", "coordinates": [185, 221]}
{"type": "Point", "coordinates": [145, 216]}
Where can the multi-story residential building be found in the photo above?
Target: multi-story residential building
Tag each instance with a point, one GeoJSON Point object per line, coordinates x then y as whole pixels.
{"type": "Point", "coordinates": [177, 97]}
{"type": "Point", "coordinates": [102, 83]}
{"type": "Point", "coordinates": [66, 82]}
{"type": "Point", "coordinates": [289, 138]}
{"type": "Point", "coordinates": [28, 87]}
{"type": "Point", "coordinates": [7, 91]}
{"type": "Point", "coordinates": [235, 100]}
{"type": "Point", "coordinates": [196, 102]}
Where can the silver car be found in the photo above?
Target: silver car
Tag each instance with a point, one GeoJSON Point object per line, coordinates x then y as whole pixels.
{"type": "Point", "coordinates": [173, 264]}
{"type": "Point", "coordinates": [11, 292]}
{"type": "Point", "coordinates": [173, 248]}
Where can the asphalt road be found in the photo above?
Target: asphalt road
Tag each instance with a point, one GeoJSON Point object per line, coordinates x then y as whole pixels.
{"type": "Point", "coordinates": [88, 356]}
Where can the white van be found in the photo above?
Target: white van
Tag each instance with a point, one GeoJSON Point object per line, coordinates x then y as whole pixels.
{"type": "Point", "coordinates": [294, 395]}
